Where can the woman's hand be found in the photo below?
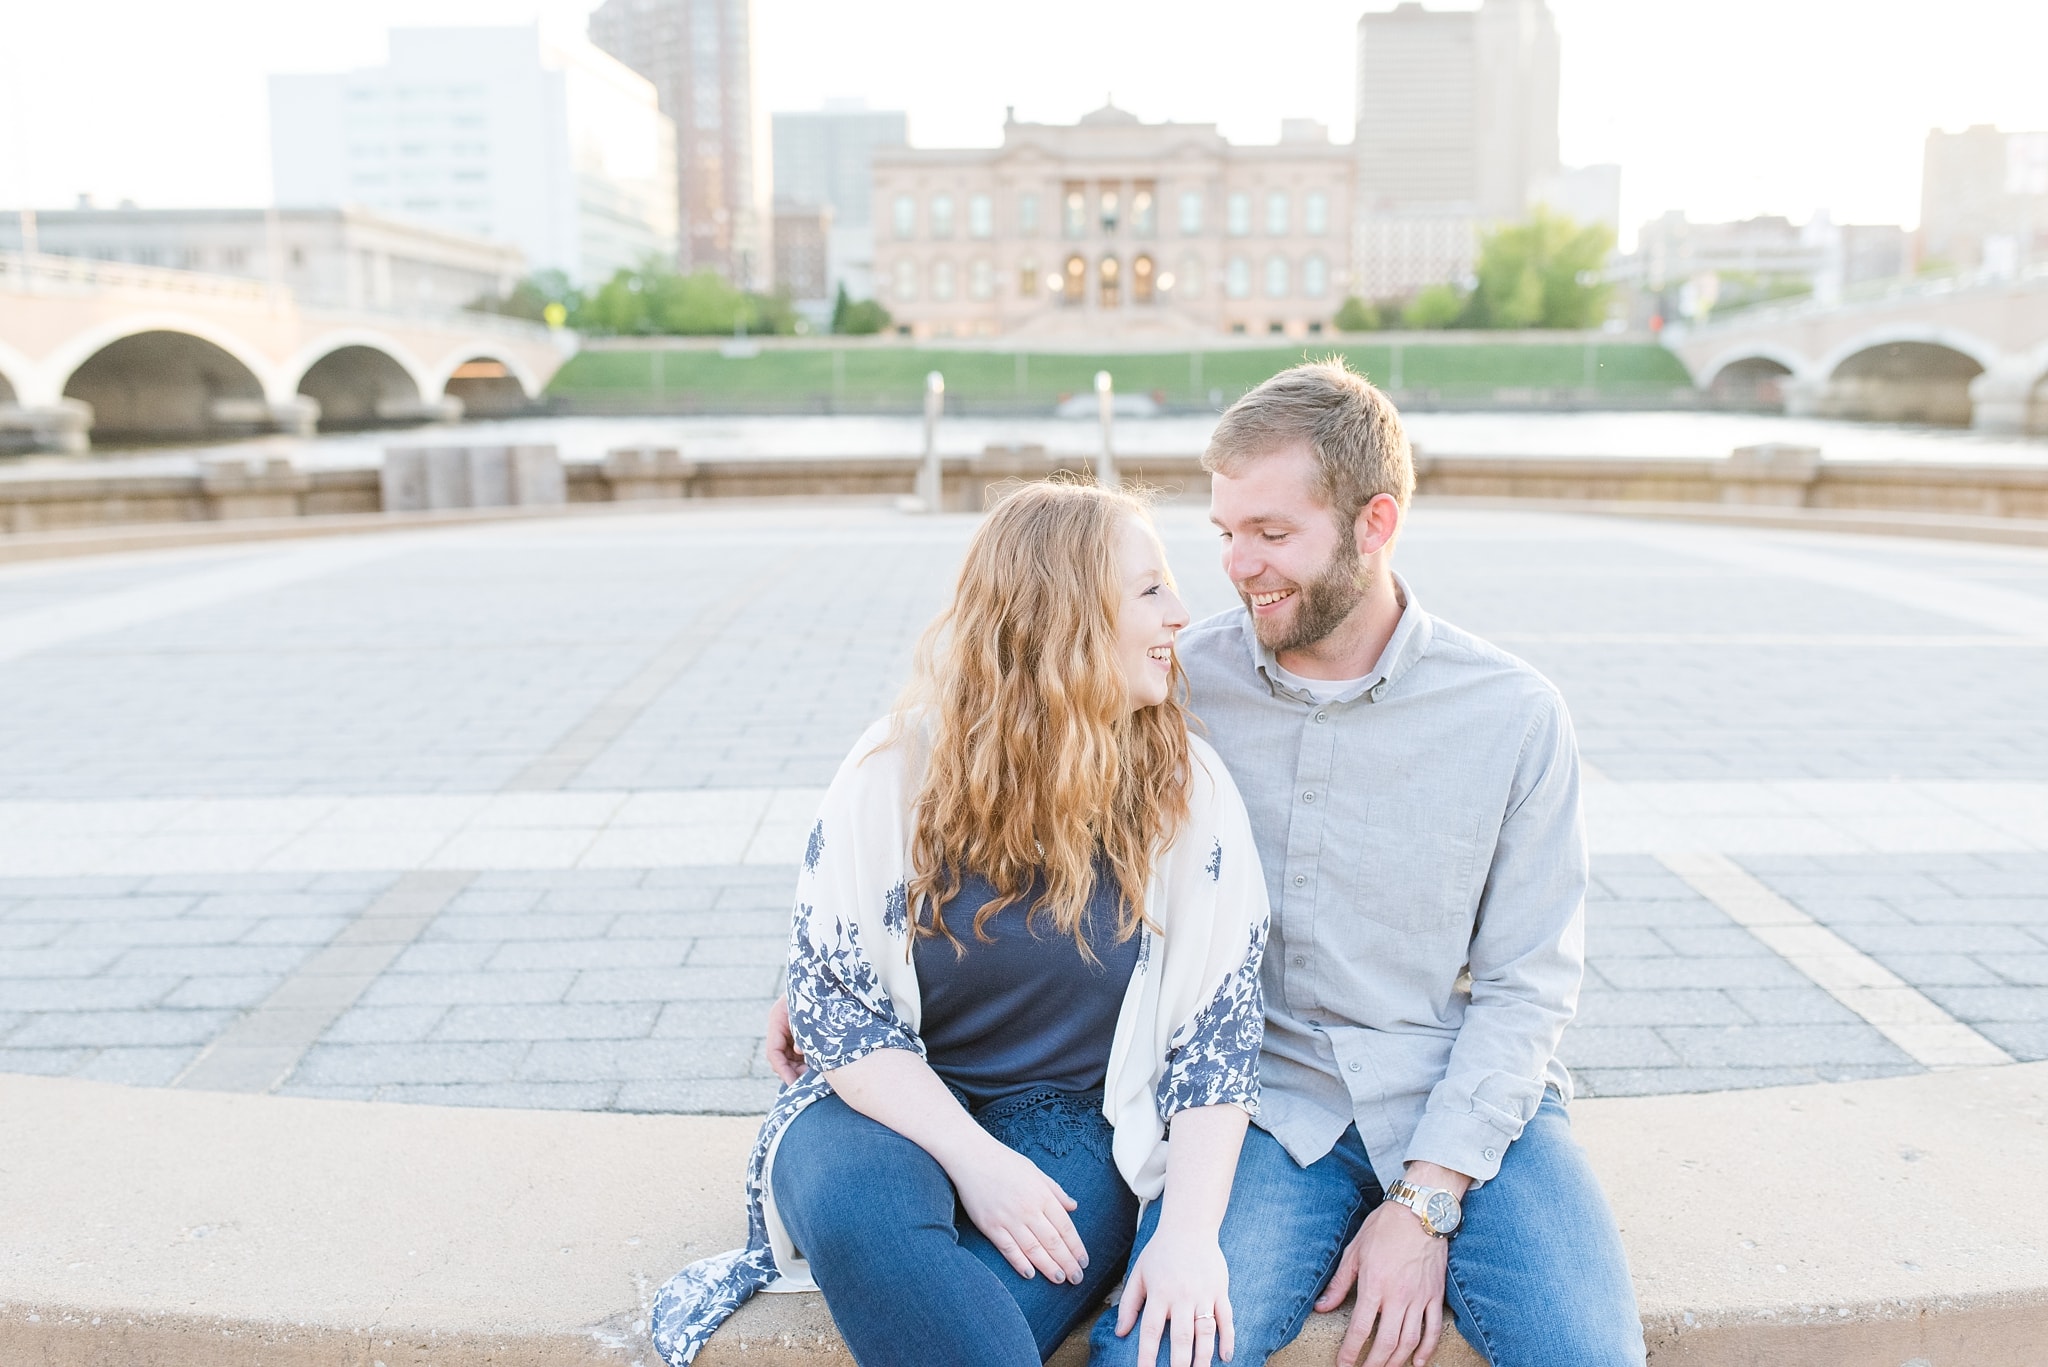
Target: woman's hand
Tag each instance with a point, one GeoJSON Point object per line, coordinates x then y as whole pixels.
{"type": "Point", "coordinates": [1021, 1210]}
{"type": "Point", "coordinates": [1182, 1287]}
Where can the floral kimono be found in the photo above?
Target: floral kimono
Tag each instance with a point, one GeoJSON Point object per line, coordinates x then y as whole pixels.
{"type": "Point", "coordinates": [1188, 1034]}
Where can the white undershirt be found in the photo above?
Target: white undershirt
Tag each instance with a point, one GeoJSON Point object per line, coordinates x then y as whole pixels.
{"type": "Point", "coordinates": [1322, 690]}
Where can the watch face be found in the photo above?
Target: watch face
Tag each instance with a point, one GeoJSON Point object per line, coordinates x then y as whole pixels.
{"type": "Point", "coordinates": [1443, 1212]}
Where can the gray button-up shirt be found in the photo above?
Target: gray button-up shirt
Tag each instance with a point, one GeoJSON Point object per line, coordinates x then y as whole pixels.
{"type": "Point", "coordinates": [1426, 860]}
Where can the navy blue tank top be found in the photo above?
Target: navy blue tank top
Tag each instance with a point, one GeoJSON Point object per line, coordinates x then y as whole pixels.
{"type": "Point", "coordinates": [1026, 1010]}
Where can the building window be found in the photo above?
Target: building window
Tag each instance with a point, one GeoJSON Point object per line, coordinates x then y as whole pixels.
{"type": "Point", "coordinates": [1141, 280]}
{"type": "Point", "coordinates": [1187, 282]}
{"type": "Point", "coordinates": [981, 216]}
{"type": "Point", "coordinates": [1237, 278]}
{"type": "Point", "coordinates": [1027, 280]}
{"type": "Point", "coordinates": [1276, 214]}
{"type": "Point", "coordinates": [1110, 273]}
{"type": "Point", "coordinates": [942, 216]}
{"type": "Point", "coordinates": [904, 216]}
{"type": "Point", "coordinates": [1190, 212]}
{"type": "Point", "coordinates": [1074, 211]}
{"type": "Point", "coordinates": [1315, 277]}
{"type": "Point", "coordinates": [906, 280]}
{"type": "Point", "coordinates": [1276, 277]}
{"type": "Point", "coordinates": [1238, 220]}
{"type": "Point", "coordinates": [942, 280]}
{"type": "Point", "coordinates": [1315, 213]}
{"type": "Point", "coordinates": [981, 279]}
{"type": "Point", "coordinates": [1112, 207]}
{"type": "Point", "coordinates": [1027, 215]}
{"type": "Point", "coordinates": [1144, 210]}
{"type": "Point", "coordinates": [1075, 289]}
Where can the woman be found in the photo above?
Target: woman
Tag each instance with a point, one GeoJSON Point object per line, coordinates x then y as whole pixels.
{"type": "Point", "coordinates": [1026, 940]}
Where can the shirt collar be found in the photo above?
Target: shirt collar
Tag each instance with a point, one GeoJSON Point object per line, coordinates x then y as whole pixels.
{"type": "Point", "coordinates": [1407, 645]}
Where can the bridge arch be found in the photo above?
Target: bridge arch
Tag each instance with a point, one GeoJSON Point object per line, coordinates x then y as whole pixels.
{"type": "Point", "coordinates": [1907, 374]}
{"type": "Point", "coordinates": [1753, 376]}
{"type": "Point", "coordinates": [490, 381]}
{"type": "Point", "coordinates": [360, 379]}
{"type": "Point", "coordinates": [158, 382]}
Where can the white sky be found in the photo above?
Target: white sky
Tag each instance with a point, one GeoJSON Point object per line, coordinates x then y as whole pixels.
{"type": "Point", "coordinates": [1723, 108]}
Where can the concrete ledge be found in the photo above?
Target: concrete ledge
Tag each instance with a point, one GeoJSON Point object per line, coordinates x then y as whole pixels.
{"type": "Point", "coordinates": [1861, 1223]}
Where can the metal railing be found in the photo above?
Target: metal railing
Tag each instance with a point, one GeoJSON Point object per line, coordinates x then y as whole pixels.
{"type": "Point", "coordinates": [44, 273]}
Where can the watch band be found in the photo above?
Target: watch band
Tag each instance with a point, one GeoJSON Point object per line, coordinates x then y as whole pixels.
{"type": "Point", "coordinates": [1416, 1199]}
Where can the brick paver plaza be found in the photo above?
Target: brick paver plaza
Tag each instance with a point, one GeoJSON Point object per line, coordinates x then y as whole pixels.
{"type": "Point", "coordinates": [509, 815]}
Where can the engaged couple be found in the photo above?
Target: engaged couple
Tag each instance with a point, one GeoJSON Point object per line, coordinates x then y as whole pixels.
{"type": "Point", "coordinates": [1253, 1020]}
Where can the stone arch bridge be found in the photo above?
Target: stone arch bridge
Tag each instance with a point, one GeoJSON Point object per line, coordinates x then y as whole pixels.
{"type": "Point", "coordinates": [1966, 353]}
{"type": "Point", "coordinates": [99, 349]}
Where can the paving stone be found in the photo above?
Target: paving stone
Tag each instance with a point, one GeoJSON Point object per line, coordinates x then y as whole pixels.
{"type": "Point", "coordinates": [452, 989]}
{"type": "Point", "coordinates": [102, 907]}
{"type": "Point", "coordinates": [607, 953]}
{"type": "Point", "coordinates": [706, 1096]}
{"type": "Point", "coordinates": [384, 1024]}
{"type": "Point", "coordinates": [1670, 1006]}
{"type": "Point", "coordinates": [182, 930]}
{"type": "Point", "coordinates": [715, 1019]}
{"type": "Point", "coordinates": [1711, 942]}
{"type": "Point", "coordinates": [2026, 1041]}
{"type": "Point", "coordinates": [447, 956]}
{"type": "Point", "coordinates": [63, 962]}
{"type": "Point", "coordinates": [240, 991]}
{"type": "Point", "coordinates": [549, 1021]}
{"type": "Point", "coordinates": [694, 925]}
{"type": "Point", "coordinates": [1627, 942]}
{"type": "Point", "coordinates": [384, 1065]}
{"type": "Point", "coordinates": [769, 950]}
{"type": "Point", "coordinates": [724, 982]}
{"type": "Point", "coordinates": [30, 934]}
{"type": "Point", "coordinates": [44, 1062]}
{"type": "Point", "coordinates": [525, 926]}
{"type": "Point", "coordinates": [303, 931]}
{"type": "Point", "coordinates": [537, 1096]}
{"type": "Point", "coordinates": [1806, 1005]}
{"type": "Point", "coordinates": [2029, 970]}
{"type": "Point", "coordinates": [61, 1029]}
{"type": "Point", "coordinates": [1756, 970]}
{"type": "Point", "coordinates": [1844, 912]}
{"type": "Point", "coordinates": [103, 993]}
{"type": "Point", "coordinates": [1976, 1005]}
{"type": "Point", "coordinates": [1767, 1046]}
{"type": "Point", "coordinates": [1656, 915]}
{"type": "Point", "coordinates": [641, 1059]}
{"type": "Point", "coordinates": [1615, 1046]}
{"type": "Point", "coordinates": [1664, 1081]}
{"type": "Point", "coordinates": [142, 1066]}
{"type": "Point", "coordinates": [211, 959]}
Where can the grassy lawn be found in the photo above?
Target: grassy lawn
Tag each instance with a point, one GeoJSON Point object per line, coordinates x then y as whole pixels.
{"type": "Point", "coordinates": [893, 377]}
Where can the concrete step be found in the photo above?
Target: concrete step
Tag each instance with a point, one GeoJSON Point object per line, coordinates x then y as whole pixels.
{"type": "Point", "coordinates": [1861, 1223]}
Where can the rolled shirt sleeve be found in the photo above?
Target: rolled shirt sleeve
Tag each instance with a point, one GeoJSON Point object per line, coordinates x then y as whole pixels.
{"type": "Point", "coordinates": [1527, 959]}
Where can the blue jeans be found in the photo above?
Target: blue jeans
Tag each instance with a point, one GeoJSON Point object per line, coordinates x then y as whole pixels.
{"type": "Point", "coordinates": [909, 1279]}
{"type": "Point", "coordinates": [1537, 1277]}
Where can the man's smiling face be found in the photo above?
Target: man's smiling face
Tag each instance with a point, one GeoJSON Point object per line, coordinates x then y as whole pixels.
{"type": "Point", "coordinates": [1298, 573]}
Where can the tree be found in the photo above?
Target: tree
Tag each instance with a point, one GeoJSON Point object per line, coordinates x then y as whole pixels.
{"type": "Point", "coordinates": [857, 317]}
{"type": "Point", "coordinates": [1435, 306]}
{"type": "Point", "coordinates": [1355, 315]}
{"type": "Point", "coordinates": [656, 301]}
{"type": "Point", "coordinates": [529, 298]}
{"type": "Point", "coordinates": [1543, 272]}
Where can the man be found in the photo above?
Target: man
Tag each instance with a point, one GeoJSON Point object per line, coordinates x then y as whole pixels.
{"type": "Point", "coordinates": [1414, 794]}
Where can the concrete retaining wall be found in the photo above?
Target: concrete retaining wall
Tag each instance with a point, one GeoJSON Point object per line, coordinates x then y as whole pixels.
{"type": "Point", "coordinates": [1755, 478]}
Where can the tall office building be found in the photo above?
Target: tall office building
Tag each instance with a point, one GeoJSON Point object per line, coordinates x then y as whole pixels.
{"type": "Point", "coordinates": [1984, 200]}
{"type": "Point", "coordinates": [824, 159]}
{"type": "Point", "coordinates": [700, 56]}
{"type": "Point", "coordinates": [497, 133]}
{"type": "Point", "coordinates": [1456, 128]}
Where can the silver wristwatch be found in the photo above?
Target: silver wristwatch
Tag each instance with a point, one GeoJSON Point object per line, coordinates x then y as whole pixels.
{"type": "Point", "coordinates": [1436, 1208]}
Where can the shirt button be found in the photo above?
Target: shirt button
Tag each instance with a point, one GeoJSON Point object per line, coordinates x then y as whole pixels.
{"type": "Point", "coordinates": [1322, 716]}
{"type": "Point", "coordinates": [1299, 879]}
{"type": "Point", "coordinates": [1377, 690]}
{"type": "Point", "coordinates": [1309, 796]}
{"type": "Point", "coordinates": [1300, 960]}
{"type": "Point", "coordinates": [1353, 1065]}
{"type": "Point", "coordinates": [1491, 1155]}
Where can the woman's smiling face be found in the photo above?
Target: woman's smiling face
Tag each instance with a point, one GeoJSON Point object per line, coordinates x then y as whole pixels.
{"type": "Point", "coordinates": [1149, 616]}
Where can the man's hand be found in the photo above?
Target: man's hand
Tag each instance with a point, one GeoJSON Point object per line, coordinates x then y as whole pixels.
{"type": "Point", "coordinates": [1398, 1268]}
{"type": "Point", "coordinates": [783, 1055]}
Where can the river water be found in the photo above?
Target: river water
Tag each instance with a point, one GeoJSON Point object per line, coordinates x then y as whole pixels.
{"type": "Point", "coordinates": [1669, 434]}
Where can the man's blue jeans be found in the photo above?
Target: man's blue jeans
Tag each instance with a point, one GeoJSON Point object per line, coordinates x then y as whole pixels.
{"type": "Point", "coordinates": [909, 1280]}
{"type": "Point", "coordinates": [1537, 1278]}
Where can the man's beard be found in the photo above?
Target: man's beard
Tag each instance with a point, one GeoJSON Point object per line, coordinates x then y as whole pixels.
{"type": "Point", "coordinates": [1325, 601]}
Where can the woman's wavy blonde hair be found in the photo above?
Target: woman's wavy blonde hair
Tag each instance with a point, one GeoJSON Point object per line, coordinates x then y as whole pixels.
{"type": "Point", "coordinates": [1037, 768]}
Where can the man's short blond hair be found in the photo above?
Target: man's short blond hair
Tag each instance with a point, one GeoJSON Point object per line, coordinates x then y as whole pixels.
{"type": "Point", "coordinates": [1360, 448]}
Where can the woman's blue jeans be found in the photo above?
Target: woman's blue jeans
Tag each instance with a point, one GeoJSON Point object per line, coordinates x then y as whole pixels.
{"type": "Point", "coordinates": [909, 1280]}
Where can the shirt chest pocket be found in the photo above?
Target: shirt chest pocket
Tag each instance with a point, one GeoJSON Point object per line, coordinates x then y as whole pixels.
{"type": "Point", "coordinates": [1417, 871]}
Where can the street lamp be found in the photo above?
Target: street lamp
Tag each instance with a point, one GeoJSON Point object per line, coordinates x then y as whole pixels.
{"type": "Point", "coordinates": [1105, 407]}
{"type": "Point", "coordinates": [931, 483]}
